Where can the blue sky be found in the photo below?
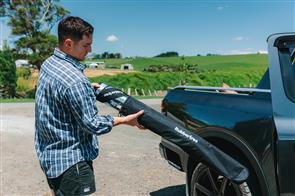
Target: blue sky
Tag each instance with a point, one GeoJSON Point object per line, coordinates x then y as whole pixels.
{"type": "Point", "coordinates": [189, 27]}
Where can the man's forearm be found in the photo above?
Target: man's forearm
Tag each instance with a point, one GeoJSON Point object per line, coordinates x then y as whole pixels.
{"type": "Point", "coordinates": [118, 120]}
{"type": "Point", "coordinates": [130, 119]}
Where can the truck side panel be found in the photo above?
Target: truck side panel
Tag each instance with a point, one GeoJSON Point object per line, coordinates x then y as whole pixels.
{"type": "Point", "coordinates": [248, 116]}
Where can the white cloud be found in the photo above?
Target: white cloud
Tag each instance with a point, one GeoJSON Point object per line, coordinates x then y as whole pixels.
{"type": "Point", "coordinates": [262, 52]}
{"type": "Point", "coordinates": [220, 8]}
{"type": "Point", "coordinates": [239, 38]}
{"type": "Point", "coordinates": [112, 38]}
{"type": "Point", "coordinates": [245, 51]}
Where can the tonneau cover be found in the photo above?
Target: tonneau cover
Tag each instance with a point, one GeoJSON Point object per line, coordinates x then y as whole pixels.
{"type": "Point", "coordinates": [175, 133]}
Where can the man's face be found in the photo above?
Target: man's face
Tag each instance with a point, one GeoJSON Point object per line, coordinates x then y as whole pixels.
{"type": "Point", "coordinates": [79, 49]}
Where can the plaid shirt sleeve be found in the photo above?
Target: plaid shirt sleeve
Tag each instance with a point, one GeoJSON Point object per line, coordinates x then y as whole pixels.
{"type": "Point", "coordinates": [81, 101]}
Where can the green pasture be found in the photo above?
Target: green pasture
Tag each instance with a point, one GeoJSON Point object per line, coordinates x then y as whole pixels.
{"type": "Point", "coordinates": [164, 80]}
{"type": "Point", "coordinates": [235, 70]}
{"type": "Point", "coordinates": [204, 62]}
{"type": "Point", "coordinates": [21, 100]}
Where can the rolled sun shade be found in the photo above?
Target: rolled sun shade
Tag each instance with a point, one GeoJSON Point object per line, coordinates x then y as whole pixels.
{"type": "Point", "coordinates": [191, 143]}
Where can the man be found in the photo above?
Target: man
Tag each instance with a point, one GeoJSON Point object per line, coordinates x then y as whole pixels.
{"type": "Point", "coordinates": [66, 122]}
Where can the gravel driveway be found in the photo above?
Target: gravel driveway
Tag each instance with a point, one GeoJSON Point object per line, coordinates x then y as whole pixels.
{"type": "Point", "coordinates": [129, 162]}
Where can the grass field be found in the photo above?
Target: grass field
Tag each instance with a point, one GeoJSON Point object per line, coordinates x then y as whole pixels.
{"type": "Point", "coordinates": [235, 70]}
{"type": "Point", "coordinates": [23, 100]}
{"type": "Point", "coordinates": [223, 62]}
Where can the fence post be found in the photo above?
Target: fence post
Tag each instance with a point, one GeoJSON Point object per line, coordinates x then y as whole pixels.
{"type": "Point", "coordinates": [136, 94]}
{"type": "Point", "coordinates": [128, 91]}
{"type": "Point", "coordinates": [2, 91]}
{"type": "Point", "coordinates": [150, 92]}
{"type": "Point", "coordinates": [142, 92]}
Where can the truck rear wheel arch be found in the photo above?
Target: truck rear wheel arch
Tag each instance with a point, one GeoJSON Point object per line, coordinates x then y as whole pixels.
{"type": "Point", "coordinates": [235, 147]}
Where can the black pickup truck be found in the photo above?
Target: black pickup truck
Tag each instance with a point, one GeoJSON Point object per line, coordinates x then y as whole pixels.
{"type": "Point", "coordinates": [255, 126]}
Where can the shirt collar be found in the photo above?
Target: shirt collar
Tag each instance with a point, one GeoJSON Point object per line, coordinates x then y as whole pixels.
{"type": "Point", "coordinates": [69, 58]}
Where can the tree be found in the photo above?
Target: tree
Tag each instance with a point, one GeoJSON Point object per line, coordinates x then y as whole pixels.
{"type": "Point", "coordinates": [111, 56]}
{"type": "Point", "coordinates": [32, 21]}
{"type": "Point", "coordinates": [105, 55]}
{"type": "Point", "coordinates": [118, 55]}
{"type": "Point", "coordinates": [183, 65]}
{"type": "Point", "coordinates": [2, 8]}
{"type": "Point", "coordinates": [8, 76]}
{"type": "Point", "coordinates": [97, 56]}
{"type": "Point", "coordinates": [168, 54]}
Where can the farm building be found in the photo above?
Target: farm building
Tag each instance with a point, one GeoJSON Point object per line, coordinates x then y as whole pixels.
{"type": "Point", "coordinates": [100, 65]}
{"type": "Point", "coordinates": [126, 67]}
{"type": "Point", "coordinates": [22, 63]}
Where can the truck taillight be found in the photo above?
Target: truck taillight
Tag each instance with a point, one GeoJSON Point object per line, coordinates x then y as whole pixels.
{"type": "Point", "coordinates": [164, 107]}
{"type": "Point", "coordinates": [163, 104]}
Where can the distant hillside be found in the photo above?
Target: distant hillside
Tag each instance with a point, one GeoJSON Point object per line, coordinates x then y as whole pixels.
{"type": "Point", "coordinates": [224, 62]}
{"type": "Point", "coordinates": [235, 70]}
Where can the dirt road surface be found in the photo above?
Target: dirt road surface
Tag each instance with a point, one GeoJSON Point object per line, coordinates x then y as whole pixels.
{"type": "Point", "coordinates": [129, 162]}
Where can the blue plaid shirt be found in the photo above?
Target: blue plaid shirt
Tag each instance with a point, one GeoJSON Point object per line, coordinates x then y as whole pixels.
{"type": "Point", "coordinates": [66, 120]}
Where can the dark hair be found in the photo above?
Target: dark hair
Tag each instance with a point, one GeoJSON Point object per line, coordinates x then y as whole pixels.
{"type": "Point", "coordinates": [74, 28]}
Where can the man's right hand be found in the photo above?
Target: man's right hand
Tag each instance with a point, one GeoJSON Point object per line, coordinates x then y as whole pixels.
{"type": "Point", "coordinates": [95, 85]}
{"type": "Point", "coordinates": [129, 120]}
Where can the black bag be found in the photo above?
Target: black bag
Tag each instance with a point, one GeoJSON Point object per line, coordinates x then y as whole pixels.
{"type": "Point", "coordinates": [191, 143]}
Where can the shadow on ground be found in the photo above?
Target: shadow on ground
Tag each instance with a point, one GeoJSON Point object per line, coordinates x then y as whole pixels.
{"type": "Point", "coordinates": [178, 190]}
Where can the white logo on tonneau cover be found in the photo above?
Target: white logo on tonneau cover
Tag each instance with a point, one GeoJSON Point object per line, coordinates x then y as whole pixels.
{"type": "Point", "coordinates": [86, 189]}
{"type": "Point", "coordinates": [185, 134]}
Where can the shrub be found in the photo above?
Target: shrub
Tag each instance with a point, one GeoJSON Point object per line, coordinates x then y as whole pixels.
{"type": "Point", "coordinates": [164, 80]}
{"type": "Point", "coordinates": [173, 68]}
{"type": "Point", "coordinates": [8, 75]}
{"type": "Point", "coordinates": [31, 93]}
{"type": "Point", "coordinates": [23, 72]}
{"type": "Point", "coordinates": [22, 84]}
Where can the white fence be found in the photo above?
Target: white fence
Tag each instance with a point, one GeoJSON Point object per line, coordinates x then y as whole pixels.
{"type": "Point", "coordinates": [144, 92]}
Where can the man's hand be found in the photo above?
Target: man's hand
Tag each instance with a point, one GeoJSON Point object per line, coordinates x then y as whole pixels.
{"type": "Point", "coordinates": [95, 85]}
{"type": "Point", "coordinates": [129, 120]}
{"type": "Point", "coordinates": [224, 85]}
